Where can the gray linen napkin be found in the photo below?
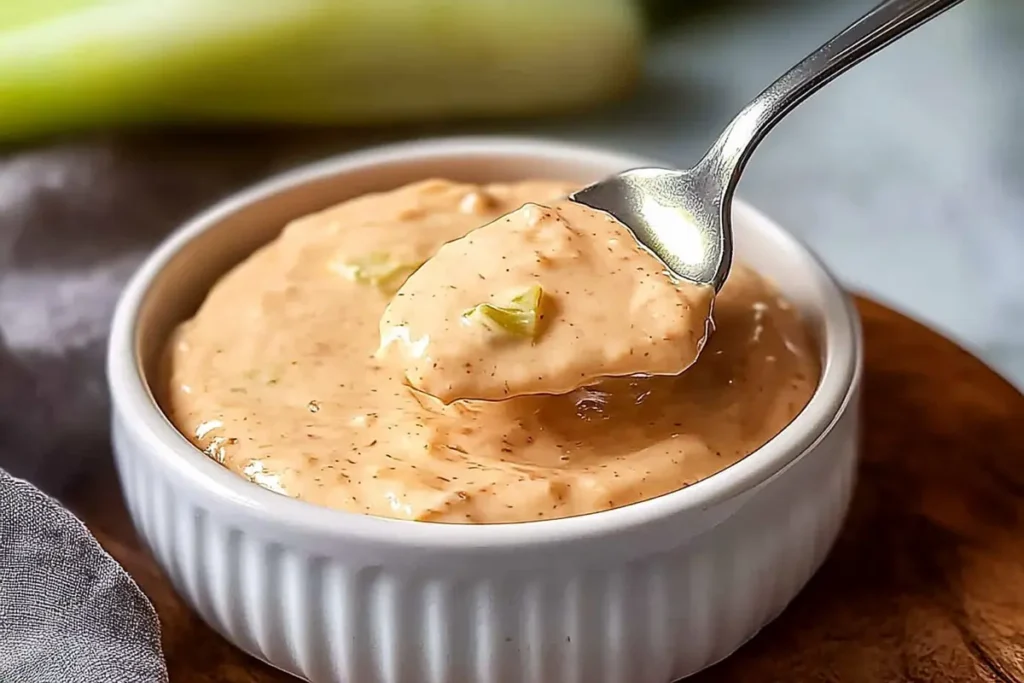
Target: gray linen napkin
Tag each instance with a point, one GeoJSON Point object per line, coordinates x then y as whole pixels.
{"type": "Point", "coordinates": [68, 612]}
{"type": "Point", "coordinates": [75, 220]}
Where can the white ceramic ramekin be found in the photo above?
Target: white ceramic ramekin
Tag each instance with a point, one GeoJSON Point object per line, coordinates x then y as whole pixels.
{"type": "Point", "coordinates": [647, 593]}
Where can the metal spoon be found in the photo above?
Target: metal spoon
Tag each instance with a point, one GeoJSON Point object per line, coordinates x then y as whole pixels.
{"type": "Point", "coordinates": [684, 217]}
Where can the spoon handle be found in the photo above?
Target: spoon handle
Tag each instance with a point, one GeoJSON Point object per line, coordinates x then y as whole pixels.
{"type": "Point", "coordinates": [869, 34]}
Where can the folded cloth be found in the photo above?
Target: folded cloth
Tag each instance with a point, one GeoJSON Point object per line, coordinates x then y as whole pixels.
{"type": "Point", "coordinates": [68, 612]}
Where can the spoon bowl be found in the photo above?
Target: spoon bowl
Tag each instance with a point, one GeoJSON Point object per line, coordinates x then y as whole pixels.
{"type": "Point", "coordinates": [677, 215]}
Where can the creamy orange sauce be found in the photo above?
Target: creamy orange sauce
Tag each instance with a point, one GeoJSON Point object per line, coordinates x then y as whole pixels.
{"type": "Point", "coordinates": [542, 301]}
{"type": "Point", "coordinates": [276, 378]}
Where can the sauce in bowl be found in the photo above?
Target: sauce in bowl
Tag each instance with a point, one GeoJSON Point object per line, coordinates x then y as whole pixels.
{"type": "Point", "coordinates": [278, 375]}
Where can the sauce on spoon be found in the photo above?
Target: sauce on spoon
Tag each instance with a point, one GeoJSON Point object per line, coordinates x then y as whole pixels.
{"type": "Point", "coordinates": [544, 300]}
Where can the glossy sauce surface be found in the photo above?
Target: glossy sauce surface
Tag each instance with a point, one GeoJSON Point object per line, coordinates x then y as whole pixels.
{"type": "Point", "coordinates": [276, 377]}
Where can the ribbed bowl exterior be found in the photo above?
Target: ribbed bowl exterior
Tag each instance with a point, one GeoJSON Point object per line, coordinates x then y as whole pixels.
{"type": "Point", "coordinates": [309, 607]}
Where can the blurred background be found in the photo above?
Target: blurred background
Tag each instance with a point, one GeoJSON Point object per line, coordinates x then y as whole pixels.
{"type": "Point", "coordinates": [119, 119]}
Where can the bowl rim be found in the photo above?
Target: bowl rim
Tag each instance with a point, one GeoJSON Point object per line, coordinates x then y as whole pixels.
{"type": "Point", "coordinates": [137, 411]}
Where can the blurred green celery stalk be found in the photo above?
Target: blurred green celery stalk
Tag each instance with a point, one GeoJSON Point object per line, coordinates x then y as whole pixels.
{"type": "Point", "coordinates": [72, 64]}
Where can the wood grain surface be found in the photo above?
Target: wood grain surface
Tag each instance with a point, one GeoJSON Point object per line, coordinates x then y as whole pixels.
{"type": "Point", "coordinates": [926, 582]}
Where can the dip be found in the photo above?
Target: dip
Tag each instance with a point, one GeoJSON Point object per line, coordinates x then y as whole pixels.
{"type": "Point", "coordinates": [278, 378]}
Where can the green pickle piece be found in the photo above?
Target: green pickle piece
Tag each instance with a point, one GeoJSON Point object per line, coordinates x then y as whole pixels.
{"type": "Point", "coordinates": [520, 318]}
{"type": "Point", "coordinates": [379, 270]}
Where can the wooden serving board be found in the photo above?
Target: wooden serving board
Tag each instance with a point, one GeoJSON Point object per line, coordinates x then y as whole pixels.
{"type": "Point", "coordinates": [926, 582]}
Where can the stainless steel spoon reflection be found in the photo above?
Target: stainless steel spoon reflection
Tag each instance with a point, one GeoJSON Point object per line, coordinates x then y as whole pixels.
{"type": "Point", "coordinates": [684, 217]}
